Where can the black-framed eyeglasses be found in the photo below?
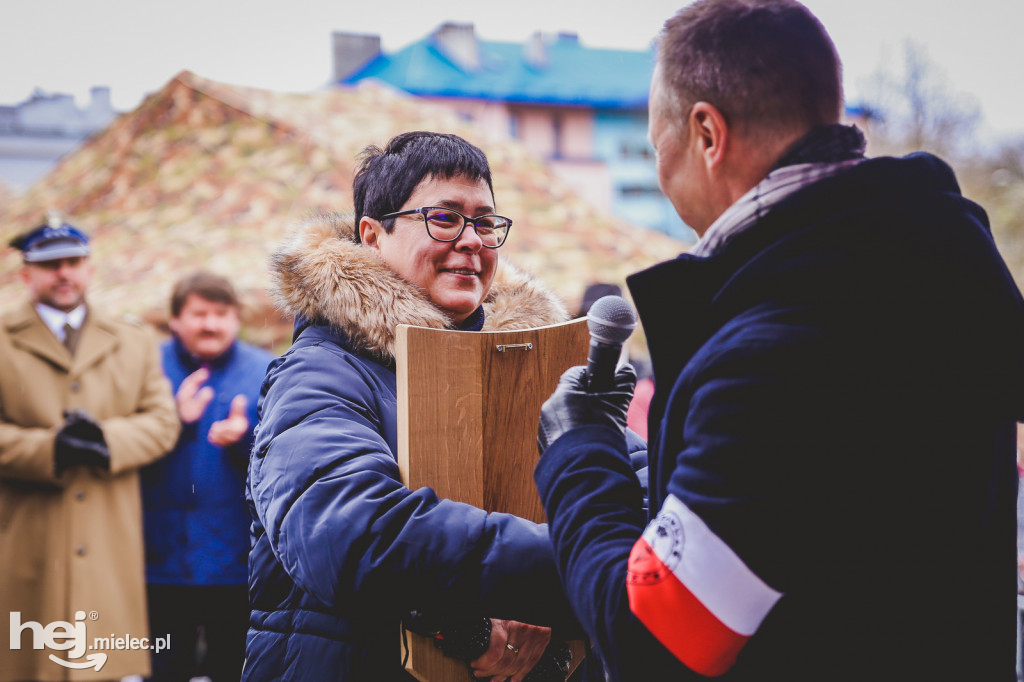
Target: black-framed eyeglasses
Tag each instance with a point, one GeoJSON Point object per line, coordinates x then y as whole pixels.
{"type": "Point", "coordinates": [446, 225]}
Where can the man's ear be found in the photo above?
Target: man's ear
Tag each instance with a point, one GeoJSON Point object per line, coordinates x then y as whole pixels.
{"type": "Point", "coordinates": [709, 130]}
{"type": "Point", "coordinates": [369, 232]}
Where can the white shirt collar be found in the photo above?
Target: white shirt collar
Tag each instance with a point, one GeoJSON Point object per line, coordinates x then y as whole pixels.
{"type": "Point", "coordinates": [56, 319]}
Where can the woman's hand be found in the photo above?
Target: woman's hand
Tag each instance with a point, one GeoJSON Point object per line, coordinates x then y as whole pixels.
{"type": "Point", "coordinates": [514, 649]}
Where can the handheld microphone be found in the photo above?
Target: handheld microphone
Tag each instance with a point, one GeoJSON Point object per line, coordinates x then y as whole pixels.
{"type": "Point", "coordinates": [611, 321]}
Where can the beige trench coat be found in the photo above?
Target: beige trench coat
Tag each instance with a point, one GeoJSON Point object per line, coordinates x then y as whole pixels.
{"type": "Point", "coordinates": [74, 543]}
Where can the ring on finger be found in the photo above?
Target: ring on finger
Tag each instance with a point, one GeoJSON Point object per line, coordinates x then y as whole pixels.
{"type": "Point", "coordinates": [511, 647]}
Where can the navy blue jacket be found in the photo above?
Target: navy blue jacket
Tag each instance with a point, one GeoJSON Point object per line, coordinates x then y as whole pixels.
{"type": "Point", "coordinates": [342, 550]}
{"type": "Point", "coordinates": [836, 397]}
{"type": "Point", "coordinates": [196, 519]}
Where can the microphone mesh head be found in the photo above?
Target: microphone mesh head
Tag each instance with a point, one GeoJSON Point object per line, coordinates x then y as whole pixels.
{"type": "Point", "coordinates": [611, 320]}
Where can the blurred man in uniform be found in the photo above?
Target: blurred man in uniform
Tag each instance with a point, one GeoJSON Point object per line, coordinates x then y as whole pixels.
{"type": "Point", "coordinates": [83, 405]}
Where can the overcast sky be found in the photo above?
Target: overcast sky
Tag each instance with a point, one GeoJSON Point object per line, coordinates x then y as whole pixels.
{"type": "Point", "coordinates": [136, 47]}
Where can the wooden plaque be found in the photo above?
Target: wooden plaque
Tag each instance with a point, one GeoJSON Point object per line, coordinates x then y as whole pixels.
{"type": "Point", "coordinates": [468, 408]}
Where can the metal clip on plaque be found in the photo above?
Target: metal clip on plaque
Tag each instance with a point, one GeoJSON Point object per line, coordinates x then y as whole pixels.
{"type": "Point", "coordinates": [502, 347]}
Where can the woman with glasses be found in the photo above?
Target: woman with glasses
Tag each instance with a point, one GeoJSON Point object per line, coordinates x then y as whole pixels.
{"type": "Point", "coordinates": [341, 549]}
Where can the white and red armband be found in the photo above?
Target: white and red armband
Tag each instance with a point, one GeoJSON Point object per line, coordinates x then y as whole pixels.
{"type": "Point", "coordinates": [693, 592]}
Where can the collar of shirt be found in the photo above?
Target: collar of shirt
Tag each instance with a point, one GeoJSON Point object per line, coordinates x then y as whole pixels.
{"type": "Point", "coordinates": [753, 205]}
{"type": "Point", "coordinates": [56, 319]}
{"type": "Point", "coordinates": [473, 323]}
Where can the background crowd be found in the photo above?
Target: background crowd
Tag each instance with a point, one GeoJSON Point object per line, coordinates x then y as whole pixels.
{"type": "Point", "coordinates": [124, 463]}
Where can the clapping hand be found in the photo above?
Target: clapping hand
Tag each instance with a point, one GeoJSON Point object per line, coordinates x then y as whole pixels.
{"type": "Point", "coordinates": [192, 397]}
{"type": "Point", "coordinates": [231, 430]}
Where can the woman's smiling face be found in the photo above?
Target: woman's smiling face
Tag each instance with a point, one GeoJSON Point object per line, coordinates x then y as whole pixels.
{"type": "Point", "coordinates": [455, 276]}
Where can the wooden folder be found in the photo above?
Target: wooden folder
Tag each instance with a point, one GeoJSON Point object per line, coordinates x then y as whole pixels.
{"type": "Point", "coordinates": [468, 408]}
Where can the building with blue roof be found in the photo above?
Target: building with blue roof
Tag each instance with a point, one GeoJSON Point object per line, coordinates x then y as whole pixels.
{"type": "Point", "coordinates": [582, 109]}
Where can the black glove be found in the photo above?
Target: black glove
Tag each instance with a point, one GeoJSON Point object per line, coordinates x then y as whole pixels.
{"type": "Point", "coordinates": [80, 442]}
{"type": "Point", "coordinates": [571, 405]}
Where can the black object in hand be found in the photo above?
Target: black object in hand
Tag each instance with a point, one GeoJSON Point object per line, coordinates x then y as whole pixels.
{"type": "Point", "coordinates": [468, 639]}
{"type": "Point", "coordinates": [574, 404]}
{"type": "Point", "coordinates": [553, 665]}
{"type": "Point", "coordinates": [611, 322]}
{"type": "Point", "coordinates": [80, 442]}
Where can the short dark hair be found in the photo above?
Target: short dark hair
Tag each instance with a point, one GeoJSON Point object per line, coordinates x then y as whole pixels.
{"type": "Point", "coordinates": [387, 177]}
{"type": "Point", "coordinates": [766, 65]}
{"type": "Point", "coordinates": [203, 284]}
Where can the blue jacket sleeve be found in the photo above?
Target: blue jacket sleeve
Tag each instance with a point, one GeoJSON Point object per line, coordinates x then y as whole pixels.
{"type": "Point", "coordinates": [594, 502]}
{"type": "Point", "coordinates": [326, 488]}
{"type": "Point", "coordinates": [593, 499]}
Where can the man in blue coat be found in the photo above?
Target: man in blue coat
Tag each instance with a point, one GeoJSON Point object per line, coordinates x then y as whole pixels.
{"type": "Point", "coordinates": [838, 367]}
{"type": "Point", "coordinates": [196, 519]}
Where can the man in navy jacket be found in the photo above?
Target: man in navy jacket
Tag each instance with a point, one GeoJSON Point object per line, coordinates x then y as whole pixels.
{"type": "Point", "coordinates": [838, 365]}
{"type": "Point", "coordinates": [196, 518]}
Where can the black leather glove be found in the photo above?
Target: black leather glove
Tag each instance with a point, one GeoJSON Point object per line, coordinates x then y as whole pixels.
{"type": "Point", "coordinates": [571, 405]}
{"type": "Point", "coordinates": [80, 442]}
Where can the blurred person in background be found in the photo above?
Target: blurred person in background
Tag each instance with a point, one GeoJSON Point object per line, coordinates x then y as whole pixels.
{"type": "Point", "coordinates": [196, 519]}
{"type": "Point", "coordinates": [83, 405]}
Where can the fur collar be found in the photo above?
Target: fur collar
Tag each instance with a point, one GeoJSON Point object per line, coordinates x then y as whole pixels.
{"type": "Point", "coordinates": [322, 274]}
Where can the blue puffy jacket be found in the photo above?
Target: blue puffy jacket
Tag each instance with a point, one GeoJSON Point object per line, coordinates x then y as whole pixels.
{"type": "Point", "coordinates": [341, 549]}
{"type": "Point", "coordinates": [196, 519]}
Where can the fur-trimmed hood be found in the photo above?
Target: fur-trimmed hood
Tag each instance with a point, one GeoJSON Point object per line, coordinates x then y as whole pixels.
{"type": "Point", "coordinates": [321, 273]}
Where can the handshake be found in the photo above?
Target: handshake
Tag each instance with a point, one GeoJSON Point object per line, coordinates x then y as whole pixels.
{"type": "Point", "coordinates": [468, 639]}
{"type": "Point", "coordinates": [80, 442]}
